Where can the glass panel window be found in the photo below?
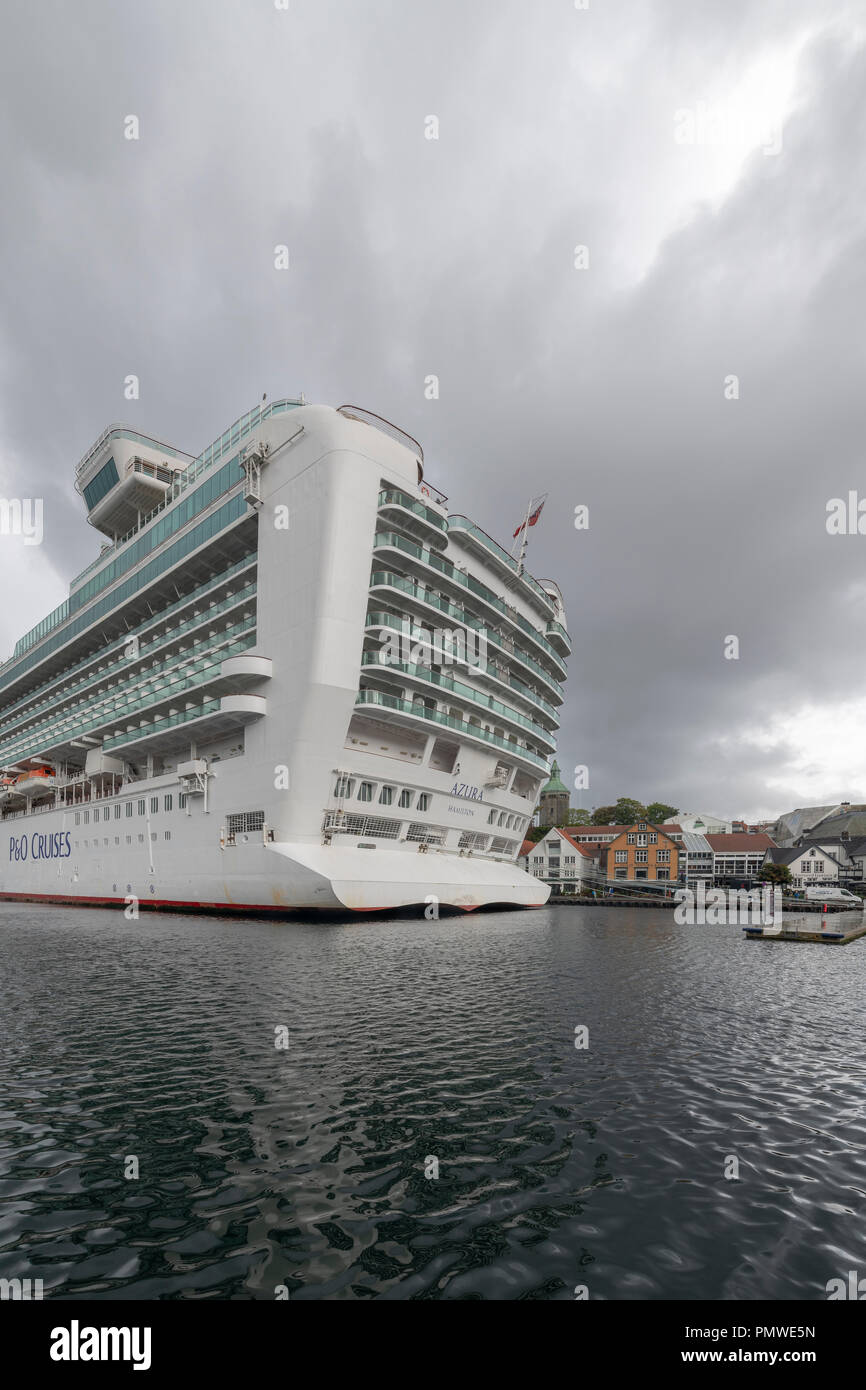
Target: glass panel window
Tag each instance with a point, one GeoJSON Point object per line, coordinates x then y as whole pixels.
{"type": "Point", "coordinates": [386, 796]}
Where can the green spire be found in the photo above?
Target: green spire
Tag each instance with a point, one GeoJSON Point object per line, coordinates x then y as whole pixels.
{"type": "Point", "coordinates": [554, 785]}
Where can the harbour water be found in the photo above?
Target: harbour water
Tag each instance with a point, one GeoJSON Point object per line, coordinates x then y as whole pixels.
{"type": "Point", "coordinates": [412, 1044]}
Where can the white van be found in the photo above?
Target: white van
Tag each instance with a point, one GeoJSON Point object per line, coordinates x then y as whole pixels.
{"type": "Point", "coordinates": [833, 895]}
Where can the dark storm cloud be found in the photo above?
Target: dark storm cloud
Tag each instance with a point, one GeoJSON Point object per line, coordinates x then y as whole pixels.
{"type": "Point", "coordinates": [455, 257]}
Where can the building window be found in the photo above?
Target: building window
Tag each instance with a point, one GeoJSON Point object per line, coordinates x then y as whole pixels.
{"type": "Point", "coordinates": [630, 839]}
{"type": "Point", "coordinates": [620, 856]}
{"type": "Point", "coordinates": [619, 873]}
{"type": "Point", "coordinates": [641, 839]}
{"type": "Point", "coordinates": [641, 856]}
{"type": "Point", "coordinates": [662, 873]}
{"type": "Point", "coordinates": [663, 856]}
{"type": "Point", "coordinates": [653, 839]}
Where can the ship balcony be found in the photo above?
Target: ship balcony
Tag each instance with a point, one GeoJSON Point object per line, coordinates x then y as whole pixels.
{"type": "Point", "coordinates": [173, 733]}
{"type": "Point", "coordinates": [397, 508]}
{"type": "Point", "coordinates": [503, 564]}
{"type": "Point", "coordinates": [492, 671]}
{"type": "Point", "coordinates": [417, 715]}
{"type": "Point", "coordinates": [425, 677]}
{"type": "Point", "coordinates": [240, 672]}
{"type": "Point", "coordinates": [558, 637]}
{"type": "Point", "coordinates": [397, 549]}
{"type": "Point", "coordinates": [133, 497]}
{"type": "Point", "coordinates": [383, 583]}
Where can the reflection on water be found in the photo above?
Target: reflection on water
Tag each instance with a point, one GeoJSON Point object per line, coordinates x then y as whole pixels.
{"type": "Point", "coordinates": [413, 1044]}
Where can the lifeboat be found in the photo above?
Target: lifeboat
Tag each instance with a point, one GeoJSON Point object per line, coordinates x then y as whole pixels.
{"type": "Point", "coordinates": [35, 781]}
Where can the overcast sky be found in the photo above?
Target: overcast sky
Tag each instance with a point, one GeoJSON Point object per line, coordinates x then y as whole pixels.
{"type": "Point", "coordinates": [710, 157]}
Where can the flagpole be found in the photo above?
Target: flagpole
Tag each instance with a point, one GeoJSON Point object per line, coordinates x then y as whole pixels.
{"type": "Point", "coordinates": [525, 530]}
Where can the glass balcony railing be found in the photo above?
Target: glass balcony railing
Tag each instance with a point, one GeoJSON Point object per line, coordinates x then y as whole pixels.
{"type": "Point", "coordinates": [467, 581]}
{"type": "Point", "coordinates": [463, 692]}
{"type": "Point", "coordinates": [418, 634]}
{"type": "Point", "coordinates": [395, 581]}
{"type": "Point", "coordinates": [462, 523]}
{"type": "Point", "coordinates": [202, 669]}
{"type": "Point", "coordinates": [146, 650]}
{"type": "Point", "coordinates": [421, 711]}
{"type": "Point", "coordinates": [159, 726]}
{"type": "Point", "coordinates": [394, 497]}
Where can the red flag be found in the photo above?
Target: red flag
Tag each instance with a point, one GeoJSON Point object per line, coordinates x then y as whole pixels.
{"type": "Point", "coordinates": [532, 520]}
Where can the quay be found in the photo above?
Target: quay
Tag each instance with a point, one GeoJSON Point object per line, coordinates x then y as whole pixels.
{"type": "Point", "coordinates": [797, 929]}
{"type": "Point", "coordinates": [659, 902]}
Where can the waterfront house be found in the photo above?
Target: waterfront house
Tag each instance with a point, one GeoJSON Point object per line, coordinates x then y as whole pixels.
{"type": "Point", "coordinates": [643, 853]}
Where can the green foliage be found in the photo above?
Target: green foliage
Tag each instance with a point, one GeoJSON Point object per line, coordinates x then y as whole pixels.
{"type": "Point", "coordinates": [603, 815]}
{"type": "Point", "coordinates": [627, 810]}
{"type": "Point", "coordinates": [775, 873]}
{"type": "Point", "coordinates": [658, 811]}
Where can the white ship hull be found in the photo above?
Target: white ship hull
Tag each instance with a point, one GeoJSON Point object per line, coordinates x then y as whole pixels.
{"type": "Point", "coordinates": [212, 723]}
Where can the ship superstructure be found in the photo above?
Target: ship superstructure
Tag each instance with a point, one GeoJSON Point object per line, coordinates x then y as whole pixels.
{"type": "Point", "coordinates": [291, 679]}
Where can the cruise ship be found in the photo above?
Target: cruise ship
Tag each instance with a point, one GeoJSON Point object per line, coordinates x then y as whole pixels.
{"type": "Point", "coordinates": [292, 679]}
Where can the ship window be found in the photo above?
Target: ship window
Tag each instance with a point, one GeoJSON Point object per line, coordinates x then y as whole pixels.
{"type": "Point", "coordinates": [153, 834]}
{"type": "Point", "coordinates": [344, 787]}
{"type": "Point", "coordinates": [181, 800]}
{"type": "Point", "coordinates": [168, 834]}
{"type": "Point", "coordinates": [117, 811]}
{"type": "Point", "coordinates": [167, 803]}
{"type": "Point", "coordinates": [140, 839]}
{"type": "Point", "coordinates": [491, 818]}
{"type": "Point", "coordinates": [86, 817]}
{"type": "Point", "coordinates": [105, 841]}
{"type": "Point", "coordinates": [117, 839]}
{"type": "Point", "coordinates": [406, 798]}
{"type": "Point", "coordinates": [424, 801]}
{"type": "Point", "coordinates": [106, 812]}
{"type": "Point", "coordinates": [386, 796]}
{"type": "Point", "coordinates": [129, 808]}
{"type": "Point", "coordinates": [141, 807]}
{"type": "Point", "coordinates": [154, 804]}
{"type": "Point", "coordinates": [129, 837]}
{"type": "Point", "coordinates": [365, 791]}
{"type": "Point", "coordinates": [77, 817]}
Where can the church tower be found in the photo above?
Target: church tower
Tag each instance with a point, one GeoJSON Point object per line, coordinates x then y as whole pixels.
{"type": "Point", "coordinates": [553, 802]}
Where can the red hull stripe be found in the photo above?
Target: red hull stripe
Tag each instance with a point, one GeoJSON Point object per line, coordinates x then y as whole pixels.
{"type": "Point", "coordinates": [181, 905]}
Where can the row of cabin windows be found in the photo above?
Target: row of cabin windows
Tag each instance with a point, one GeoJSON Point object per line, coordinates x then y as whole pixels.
{"type": "Point", "coordinates": [504, 819]}
{"type": "Point", "coordinates": [94, 844]}
{"type": "Point", "coordinates": [167, 804]}
{"type": "Point", "coordinates": [388, 795]}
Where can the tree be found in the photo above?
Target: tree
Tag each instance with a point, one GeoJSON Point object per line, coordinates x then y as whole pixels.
{"type": "Point", "coordinates": [578, 817]}
{"type": "Point", "coordinates": [627, 811]}
{"type": "Point", "coordinates": [603, 815]}
{"type": "Point", "coordinates": [536, 833]}
{"type": "Point", "coordinates": [657, 812]}
{"type": "Point", "coordinates": [775, 873]}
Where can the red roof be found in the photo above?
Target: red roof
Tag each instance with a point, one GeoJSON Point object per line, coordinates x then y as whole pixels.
{"type": "Point", "coordinates": [526, 848]}
{"type": "Point", "coordinates": [737, 842]}
{"type": "Point", "coordinates": [569, 836]}
{"type": "Point", "coordinates": [587, 831]}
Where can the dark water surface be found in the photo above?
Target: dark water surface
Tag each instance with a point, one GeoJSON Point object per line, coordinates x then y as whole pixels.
{"type": "Point", "coordinates": [412, 1039]}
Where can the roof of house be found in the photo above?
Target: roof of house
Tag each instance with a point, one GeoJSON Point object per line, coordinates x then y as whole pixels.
{"type": "Point", "coordinates": [787, 856]}
{"type": "Point", "coordinates": [526, 848]}
{"type": "Point", "coordinates": [582, 847]}
{"type": "Point", "coordinates": [695, 843]}
{"type": "Point", "coordinates": [737, 843]}
{"type": "Point", "coordinates": [587, 831]}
